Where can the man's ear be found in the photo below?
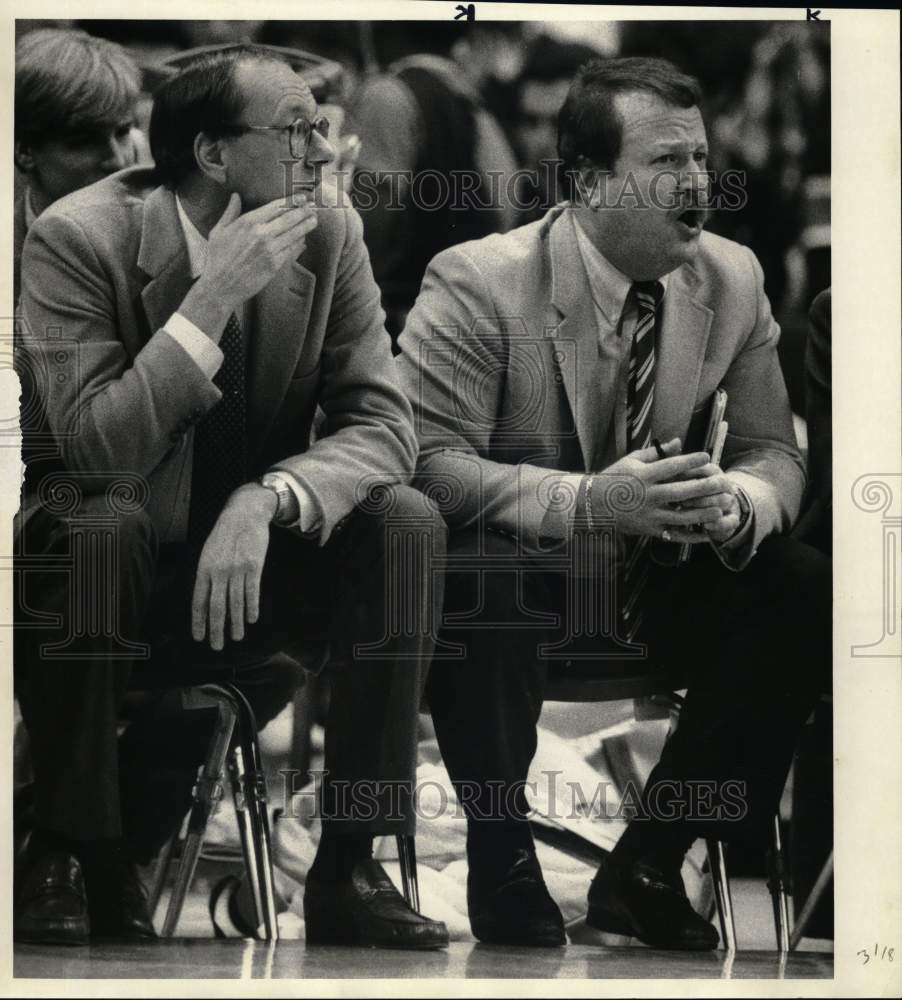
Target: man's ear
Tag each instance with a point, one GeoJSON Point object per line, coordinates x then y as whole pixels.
{"type": "Point", "coordinates": [208, 155]}
{"type": "Point", "coordinates": [23, 156]}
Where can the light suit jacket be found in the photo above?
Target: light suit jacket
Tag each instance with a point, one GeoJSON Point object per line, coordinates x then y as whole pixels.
{"type": "Point", "coordinates": [103, 270]}
{"type": "Point", "coordinates": [500, 359]}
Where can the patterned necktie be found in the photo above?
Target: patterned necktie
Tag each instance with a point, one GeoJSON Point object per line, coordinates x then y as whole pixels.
{"type": "Point", "coordinates": [220, 440]}
{"type": "Point", "coordinates": [640, 397]}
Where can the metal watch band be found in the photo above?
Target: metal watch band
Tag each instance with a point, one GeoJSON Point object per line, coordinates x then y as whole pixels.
{"type": "Point", "coordinates": [284, 507]}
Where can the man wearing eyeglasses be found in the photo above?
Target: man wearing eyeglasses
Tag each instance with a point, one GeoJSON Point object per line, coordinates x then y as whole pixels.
{"type": "Point", "coordinates": [216, 302]}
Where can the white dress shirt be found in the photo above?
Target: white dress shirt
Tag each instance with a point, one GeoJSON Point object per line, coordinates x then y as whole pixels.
{"type": "Point", "coordinates": [616, 314]}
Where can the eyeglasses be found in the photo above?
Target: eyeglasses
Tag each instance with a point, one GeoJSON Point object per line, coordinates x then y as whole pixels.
{"type": "Point", "coordinates": [299, 132]}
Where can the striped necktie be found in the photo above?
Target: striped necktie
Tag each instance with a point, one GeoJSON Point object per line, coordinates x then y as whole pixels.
{"type": "Point", "coordinates": [640, 396]}
{"type": "Point", "coordinates": [220, 440]}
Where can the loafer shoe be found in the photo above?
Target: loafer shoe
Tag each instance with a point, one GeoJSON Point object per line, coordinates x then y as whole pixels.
{"type": "Point", "coordinates": [641, 901]}
{"type": "Point", "coordinates": [52, 906]}
{"type": "Point", "coordinates": [367, 910]}
{"type": "Point", "coordinates": [513, 906]}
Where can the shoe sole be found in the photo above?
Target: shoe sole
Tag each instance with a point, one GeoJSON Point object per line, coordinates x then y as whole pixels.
{"type": "Point", "coordinates": [50, 938]}
{"type": "Point", "coordinates": [335, 930]}
{"type": "Point", "coordinates": [516, 942]}
{"type": "Point", "coordinates": [130, 938]}
{"type": "Point", "coordinates": [609, 923]}
{"type": "Point", "coordinates": [489, 933]}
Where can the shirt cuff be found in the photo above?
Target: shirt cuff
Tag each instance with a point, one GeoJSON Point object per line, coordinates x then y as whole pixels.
{"type": "Point", "coordinates": [735, 550]}
{"type": "Point", "coordinates": [309, 518]}
{"type": "Point", "coordinates": [195, 343]}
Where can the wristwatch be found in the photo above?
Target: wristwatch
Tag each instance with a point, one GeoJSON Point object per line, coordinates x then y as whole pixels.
{"type": "Point", "coordinates": [745, 511]}
{"type": "Point", "coordinates": [287, 511]}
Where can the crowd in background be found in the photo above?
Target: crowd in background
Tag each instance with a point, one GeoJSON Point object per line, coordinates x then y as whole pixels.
{"type": "Point", "coordinates": [768, 112]}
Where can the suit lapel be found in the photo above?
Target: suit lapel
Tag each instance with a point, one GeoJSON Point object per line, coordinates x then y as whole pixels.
{"type": "Point", "coordinates": [163, 255]}
{"type": "Point", "coordinates": [278, 322]}
{"type": "Point", "coordinates": [682, 342]}
{"type": "Point", "coordinates": [576, 321]}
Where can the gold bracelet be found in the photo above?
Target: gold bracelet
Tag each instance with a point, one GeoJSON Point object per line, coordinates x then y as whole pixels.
{"type": "Point", "coordinates": [589, 521]}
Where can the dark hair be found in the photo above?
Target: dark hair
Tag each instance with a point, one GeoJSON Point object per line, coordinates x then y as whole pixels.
{"type": "Point", "coordinates": [588, 124]}
{"type": "Point", "coordinates": [68, 81]}
{"type": "Point", "coordinates": [550, 59]}
{"type": "Point", "coordinates": [202, 97]}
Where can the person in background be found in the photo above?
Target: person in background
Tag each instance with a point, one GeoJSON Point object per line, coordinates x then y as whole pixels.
{"type": "Point", "coordinates": [547, 74]}
{"type": "Point", "coordinates": [74, 119]}
{"type": "Point", "coordinates": [424, 122]}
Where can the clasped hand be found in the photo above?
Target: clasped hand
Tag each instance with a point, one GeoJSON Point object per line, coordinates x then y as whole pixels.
{"type": "Point", "coordinates": [679, 493]}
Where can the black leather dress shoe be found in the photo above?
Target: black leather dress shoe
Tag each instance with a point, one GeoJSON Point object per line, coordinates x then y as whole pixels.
{"type": "Point", "coordinates": [51, 906]}
{"type": "Point", "coordinates": [641, 901]}
{"type": "Point", "coordinates": [513, 906]}
{"type": "Point", "coordinates": [367, 910]}
{"type": "Point", "coordinates": [119, 907]}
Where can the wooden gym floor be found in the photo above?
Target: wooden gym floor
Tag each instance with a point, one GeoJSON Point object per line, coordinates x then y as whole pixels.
{"type": "Point", "coordinates": [237, 959]}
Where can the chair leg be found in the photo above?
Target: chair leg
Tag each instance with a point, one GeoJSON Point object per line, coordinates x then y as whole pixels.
{"type": "Point", "coordinates": [207, 792]}
{"type": "Point", "coordinates": [249, 788]}
{"type": "Point", "coordinates": [407, 856]}
{"type": "Point", "coordinates": [160, 873]}
{"type": "Point", "coordinates": [718, 865]}
{"type": "Point", "coordinates": [814, 897]}
{"type": "Point", "coordinates": [776, 883]}
{"type": "Point", "coordinates": [238, 779]}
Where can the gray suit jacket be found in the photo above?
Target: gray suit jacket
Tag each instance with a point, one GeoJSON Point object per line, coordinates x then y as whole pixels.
{"type": "Point", "coordinates": [500, 360]}
{"type": "Point", "coordinates": [102, 271]}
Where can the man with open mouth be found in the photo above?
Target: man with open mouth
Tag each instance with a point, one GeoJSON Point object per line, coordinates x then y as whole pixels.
{"type": "Point", "coordinates": [561, 376]}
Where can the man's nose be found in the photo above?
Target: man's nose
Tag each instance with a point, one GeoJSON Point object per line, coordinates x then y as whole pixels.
{"type": "Point", "coordinates": [694, 179]}
{"type": "Point", "coordinates": [319, 150]}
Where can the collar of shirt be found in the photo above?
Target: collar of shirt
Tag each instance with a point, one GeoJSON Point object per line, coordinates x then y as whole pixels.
{"type": "Point", "coordinates": [608, 285]}
{"type": "Point", "coordinates": [197, 245]}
